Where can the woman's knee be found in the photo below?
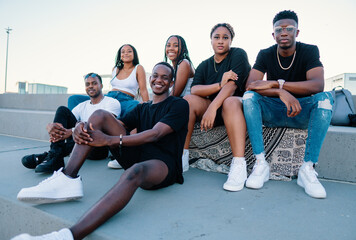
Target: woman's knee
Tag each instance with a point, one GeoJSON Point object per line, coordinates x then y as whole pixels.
{"type": "Point", "coordinates": [232, 103]}
{"type": "Point", "coordinates": [197, 104]}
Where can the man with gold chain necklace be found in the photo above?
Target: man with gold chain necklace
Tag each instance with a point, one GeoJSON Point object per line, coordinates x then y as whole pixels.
{"type": "Point", "coordinates": [292, 96]}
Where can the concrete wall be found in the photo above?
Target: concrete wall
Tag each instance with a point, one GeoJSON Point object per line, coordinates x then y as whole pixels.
{"type": "Point", "coordinates": [337, 156]}
{"type": "Point", "coordinates": [26, 115]}
{"type": "Point", "coordinates": [38, 102]}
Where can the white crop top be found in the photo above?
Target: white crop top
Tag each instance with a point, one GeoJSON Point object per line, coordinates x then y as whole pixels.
{"type": "Point", "coordinates": [129, 84]}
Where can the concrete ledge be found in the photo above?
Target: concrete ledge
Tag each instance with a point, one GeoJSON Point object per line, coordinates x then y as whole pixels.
{"type": "Point", "coordinates": [337, 159]}
{"type": "Point", "coordinates": [25, 123]}
{"type": "Point", "coordinates": [41, 102]}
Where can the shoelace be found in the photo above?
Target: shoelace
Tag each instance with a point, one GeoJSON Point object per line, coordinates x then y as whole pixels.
{"type": "Point", "coordinates": [257, 168]}
{"type": "Point", "coordinates": [312, 174]}
{"type": "Point", "coordinates": [237, 167]}
{"type": "Point", "coordinates": [55, 174]}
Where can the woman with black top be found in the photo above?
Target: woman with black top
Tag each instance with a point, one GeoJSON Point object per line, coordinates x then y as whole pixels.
{"type": "Point", "coordinates": [218, 85]}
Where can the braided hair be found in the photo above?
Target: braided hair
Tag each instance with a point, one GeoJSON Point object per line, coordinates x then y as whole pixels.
{"type": "Point", "coordinates": [182, 52]}
{"type": "Point", "coordinates": [225, 25]}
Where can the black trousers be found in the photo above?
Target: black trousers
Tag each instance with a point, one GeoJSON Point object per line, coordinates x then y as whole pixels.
{"type": "Point", "coordinates": [64, 147]}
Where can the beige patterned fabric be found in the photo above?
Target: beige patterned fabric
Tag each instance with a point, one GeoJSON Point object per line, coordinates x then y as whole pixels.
{"type": "Point", "coordinates": [284, 149]}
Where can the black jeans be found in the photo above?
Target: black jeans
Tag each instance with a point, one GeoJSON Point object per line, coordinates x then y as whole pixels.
{"type": "Point", "coordinates": [64, 147]}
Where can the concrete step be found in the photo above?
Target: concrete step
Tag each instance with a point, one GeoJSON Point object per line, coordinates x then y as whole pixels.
{"type": "Point", "coordinates": [198, 209]}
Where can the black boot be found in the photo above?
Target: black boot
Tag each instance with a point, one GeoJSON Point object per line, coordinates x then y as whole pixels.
{"type": "Point", "coordinates": [31, 161]}
{"type": "Point", "coordinates": [51, 163]}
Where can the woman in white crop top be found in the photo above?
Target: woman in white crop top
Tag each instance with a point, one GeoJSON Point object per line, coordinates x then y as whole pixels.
{"type": "Point", "coordinates": [127, 77]}
{"type": "Point", "coordinates": [176, 50]}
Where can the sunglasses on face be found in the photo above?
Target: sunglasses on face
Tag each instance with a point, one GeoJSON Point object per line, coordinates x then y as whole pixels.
{"type": "Point", "coordinates": [93, 75]}
{"type": "Point", "coordinates": [288, 29]}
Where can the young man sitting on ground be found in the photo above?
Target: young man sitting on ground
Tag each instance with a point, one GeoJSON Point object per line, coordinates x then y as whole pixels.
{"type": "Point", "coordinates": [60, 131]}
{"type": "Point", "coordinates": [152, 157]}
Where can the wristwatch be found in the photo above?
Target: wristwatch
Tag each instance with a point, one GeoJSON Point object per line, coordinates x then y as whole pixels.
{"type": "Point", "coordinates": [281, 83]}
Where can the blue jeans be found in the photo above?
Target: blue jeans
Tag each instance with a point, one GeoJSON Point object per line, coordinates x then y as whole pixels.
{"type": "Point", "coordinates": [272, 112]}
{"type": "Point", "coordinates": [126, 101]}
{"type": "Point", "coordinates": [74, 100]}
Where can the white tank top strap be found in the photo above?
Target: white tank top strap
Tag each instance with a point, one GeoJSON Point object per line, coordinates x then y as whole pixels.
{"type": "Point", "coordinates": [128, 84]}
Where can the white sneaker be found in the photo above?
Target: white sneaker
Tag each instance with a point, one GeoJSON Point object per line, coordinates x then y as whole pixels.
{"type": "Point", "coordinates": [259, 175]}
{"type": "Point", "coordinates": [57, 188]}
{"type": "Point", "coordinates": [236, 177]}
{"type": "Point", "coordinates": [185, 160]}
{"type": "Point", "coordinates": [64, 234]}
{"type": "Point", "coordinates": [114, 164]}
{"type": "Point", "coordinates": [307, 179]}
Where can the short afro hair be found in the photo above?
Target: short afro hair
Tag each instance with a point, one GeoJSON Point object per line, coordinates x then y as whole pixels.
{"type": "Point", "coordinates": [169, 66]}
{"type": "Point", "coordinates": [286, 14]}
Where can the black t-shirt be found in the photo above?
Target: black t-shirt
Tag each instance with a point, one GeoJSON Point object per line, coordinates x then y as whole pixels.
{"type": "Point", "coordinates": [236, 61]}
{"type": "Point", "coordinates": [306, 58]}
{"type": "Point", "coordinates": [174, 112]}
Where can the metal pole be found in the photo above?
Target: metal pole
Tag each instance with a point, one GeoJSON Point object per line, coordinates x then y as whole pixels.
{"type": "Point", "coordinates": [7, 51]}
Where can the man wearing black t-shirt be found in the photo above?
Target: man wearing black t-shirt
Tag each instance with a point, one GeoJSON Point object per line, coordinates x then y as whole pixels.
{"type": "Point", "coordinates": [152, 157]}
{"type": "Point", "coordinates": [292, 97]}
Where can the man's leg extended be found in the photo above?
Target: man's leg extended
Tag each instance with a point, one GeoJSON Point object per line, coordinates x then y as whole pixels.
{"type": "Point", "coordinates": [145, 175]}
{"type": "Point", "coordinates": [66, 185]}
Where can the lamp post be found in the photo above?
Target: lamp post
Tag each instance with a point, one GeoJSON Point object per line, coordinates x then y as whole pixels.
{"type": "Point", "coordinates": [7, 51]}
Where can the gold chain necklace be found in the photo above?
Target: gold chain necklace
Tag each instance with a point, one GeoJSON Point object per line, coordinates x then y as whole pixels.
{"type": "Point", "coordinates": [290, 63]}
{"type": "Point", "coordinates": [215, 66]}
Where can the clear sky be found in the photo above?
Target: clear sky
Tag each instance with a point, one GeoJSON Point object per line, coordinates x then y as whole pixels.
{"type": "Point", "coordinates": [57, 42]}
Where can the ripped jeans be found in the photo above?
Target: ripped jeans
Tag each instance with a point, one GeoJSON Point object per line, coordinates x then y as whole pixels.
{"type": "Point", "coordinates": [272, 112]}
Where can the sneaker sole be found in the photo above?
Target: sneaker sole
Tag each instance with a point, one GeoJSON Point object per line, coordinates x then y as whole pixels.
{"type": "Point", "coordinates": [259, 186]}
{"type": "Point", "coordinates": [113, 166]}
{"type": "Point", "coordinates": [39, 200]}
{"type": "Point", "coordinates": [233, 188]}
{"type": "Point", "coordinates": [300, 183]}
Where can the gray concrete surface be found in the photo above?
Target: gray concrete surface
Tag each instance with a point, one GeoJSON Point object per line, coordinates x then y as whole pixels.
{"type": "Point", "coordinates": [198, 209]}
{"type": "Point", "coordinates": [26, 115]}
{"type": "Point", "coordinates": [337, 158]}
{"type": "Point", "coordinates": [25, 123]}
{"type": "Point", "coordinates": [39, 102]}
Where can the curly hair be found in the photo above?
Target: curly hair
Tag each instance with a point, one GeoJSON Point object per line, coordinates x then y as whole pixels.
{"type": "Point", "coordinates": [167, 65]}
{"type": "Point", "coordinates": [286, 14]}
